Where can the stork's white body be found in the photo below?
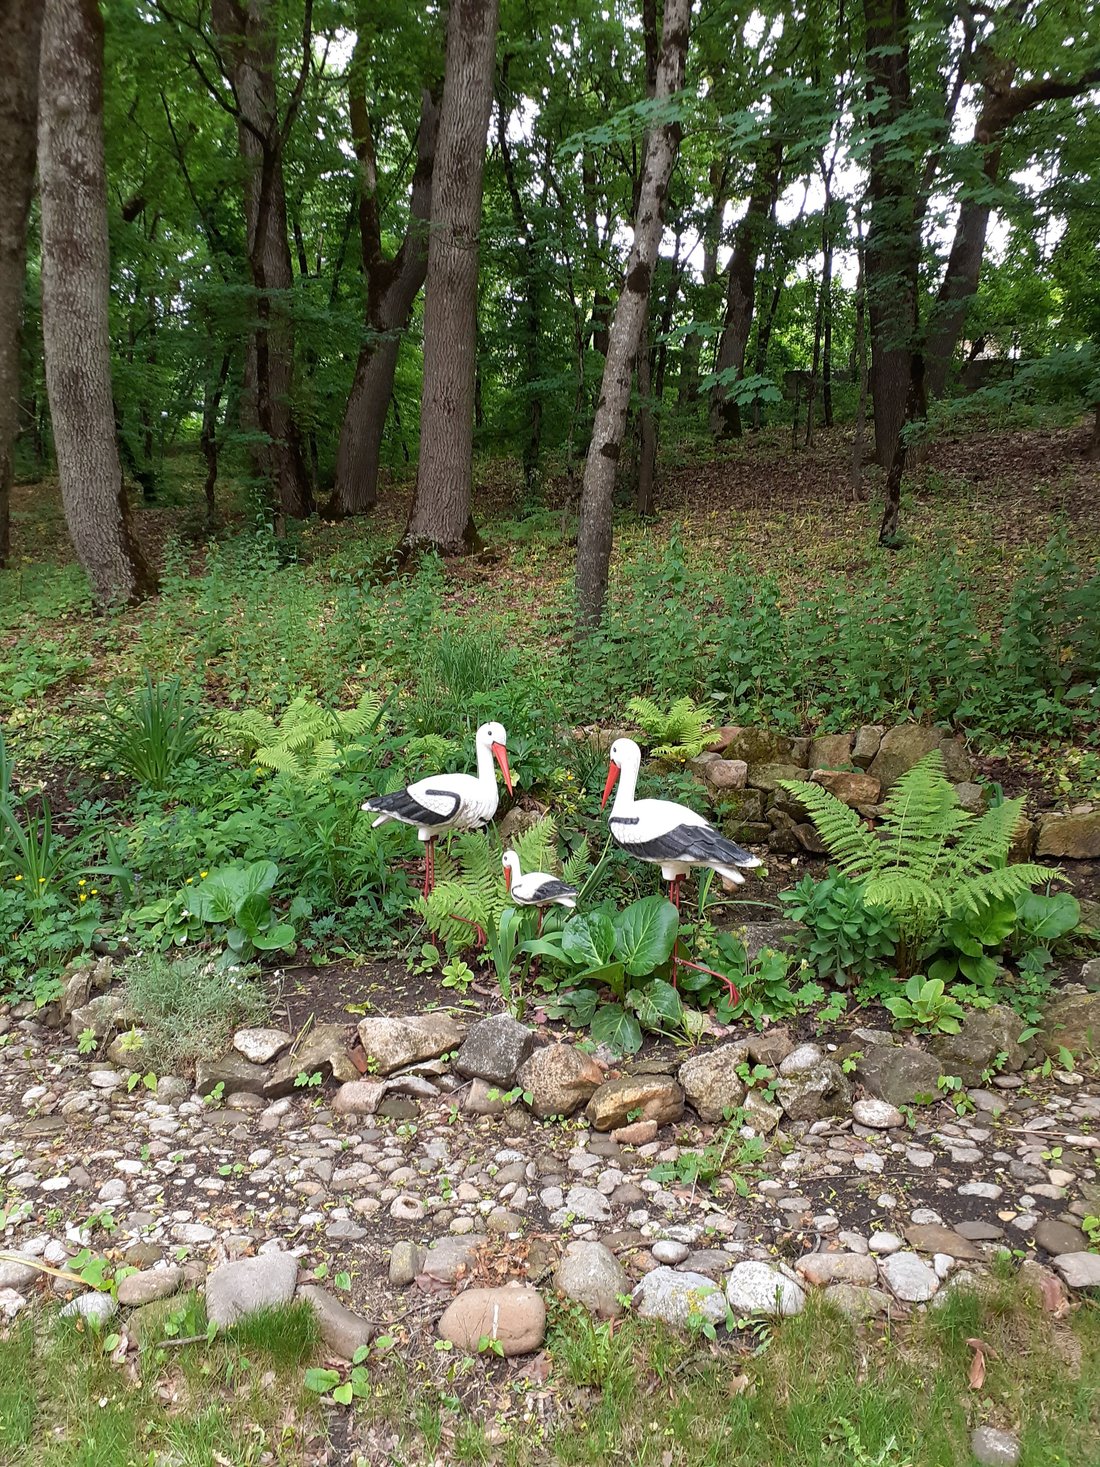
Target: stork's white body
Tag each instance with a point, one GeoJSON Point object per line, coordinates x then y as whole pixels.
{"type": "Point", "coordinates": [537, 888]}
{"type": "Point", "coordinates": [667, 834]}
{"type": "Point", "coordinates": [441, 803]}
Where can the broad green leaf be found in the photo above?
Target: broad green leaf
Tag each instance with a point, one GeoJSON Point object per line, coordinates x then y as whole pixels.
{"type": "Point", "coordinates": [1048, 917]}
{"type": "Point", "coordinates": [645, 933]}
{"type": "Point", "coordinates": [620, 1031]}
{"type": "Point", "coordinates": [589, 941]}
{"type": "Point", "coordinates": [321, 1381]}
{"type": "Point", "coordinates": [657, 1005]}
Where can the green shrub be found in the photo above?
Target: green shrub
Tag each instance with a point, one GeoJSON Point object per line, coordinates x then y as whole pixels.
{"type": "Point", "coordinates": [188, 1007]}
{"type": "Point", "coordinates": [847, 938]}
{"type": "Point", "coordinates": [932, 861]}
{"type": "Point", "coordinates": [155, 734]}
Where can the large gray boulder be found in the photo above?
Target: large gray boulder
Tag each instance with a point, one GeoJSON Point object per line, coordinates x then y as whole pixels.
{"type": "Point", "coordinates": [1072, 1023]}
{"type": "Point", "coordinates": [594, 1277]}
{"type": "Point", "coordinates": [248, 1284]}
{"type": "Point", "coordinates": [984, 1035]}
{"type": "Point", "coordinates": [822, 1090]}
{"type": "Point", "coordinates": [494, 1049]}
{"type": "Point", "coordinates": [711, 1083]}
{"type": "Point", "coordinates": [394, 1043]}
{"type": "Point", "coordinates": [906, 745]}
{"type": "Point", "coordinates": [899, 1074]}
{"type": "Point", "coordinates": [1076, 837]}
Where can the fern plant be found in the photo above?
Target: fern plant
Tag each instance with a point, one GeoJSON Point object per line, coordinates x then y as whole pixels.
{"type": "Point", "coordinates": [679, 732]}
{"type": "Point", "coordinates": [307, 740]}
{"type": "Point", "coordinates": [470, 882]}
{"type": "Point", "coordinates": [931, 861]}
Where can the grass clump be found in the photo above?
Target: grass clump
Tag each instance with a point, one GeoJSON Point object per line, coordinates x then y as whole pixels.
{"type": "Point", "coordinates": [188, 1007]}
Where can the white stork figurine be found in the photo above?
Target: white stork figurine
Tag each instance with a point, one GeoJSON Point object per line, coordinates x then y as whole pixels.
{"type": "Point", "coordinates": [537, 888]}
{"type": "Point", "coordinates": [445, 802]}
{"type": "Point", "coordinates": [669, 835]}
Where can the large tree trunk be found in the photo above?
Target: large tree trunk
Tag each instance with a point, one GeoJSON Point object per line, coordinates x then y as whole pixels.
{"type": "Point", "coordinates": [392, 288]}
{"type": "Point", "coordinates": [440, 516]}
{"type": "Point", "coordinates": [595, 533]}
{"type": "Point", "coordinates": [725, 416]}
{"type": "Point", "coordinates": [75, 292]}
{"type": "Point", "coordinates": [21, 27]}
{"type": "Point", "coordinates": [1002, 104]}
{"type": "Point", "coordinates": [893, 236]}
{"type": "Point", "coordinates": [247, 29]}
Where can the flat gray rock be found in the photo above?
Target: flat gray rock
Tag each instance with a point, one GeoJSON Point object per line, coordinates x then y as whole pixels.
{"type": "Point", "coordinates": [1059, 1237]}
{"type": "Point", "coordinates": [993, 1448]}
{"type": "Point", "coordinates": [1080, 1270]}
{"type": "Point", "coordinates": [878, 1115]}
{"type": "Point", "coordinates": [342, 1330]}
{"type": "Point", "coordinates": [909, 1277]}
{"type": "Point", "coordinates": [394, 1043]}
{"type": "Point", "coordinates": [96, 1308]}
{"type": "Point", "coordinates": [494, 1049]}
{"type": "Point", "coordinates": [242, 1287]}
{"type": "Point", "coordinates": [260, 1045]}
{"type": "Point", "coordinates": [149, 1285]}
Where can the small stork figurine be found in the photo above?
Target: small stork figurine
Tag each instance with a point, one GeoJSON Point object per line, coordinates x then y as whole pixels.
{"type": "Point", "coordinates": [668, 835]}
{"type": "Point", "coordinates": [537, 888]}
{"type": "Point", "coordinates": [445, 802]}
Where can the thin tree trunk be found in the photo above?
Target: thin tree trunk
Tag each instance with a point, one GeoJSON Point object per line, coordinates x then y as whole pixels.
{"type": "Point", "coordinates": [392, 288]}
{"type": "Point", "coordinates": [856, 471]}
{"type": "Point", "coordinates": [21, 27]}
{"type": "Point", "coordinates": [75, 289]}
{"type": "Point", "coordinates": [531, 315]}
{"type": "Point", "coordinates": [815, 364]}
{"type": "Point", "coordinates": [208, 438]}
{"type": "Point", "coordinates": [725, 415]}
{"type": "Point", "coordinates": [688, 386]}
{"type": "Point", "coordinates": [595, 531]}
{"type": "Point", "coordinates": [645, 489]}
{"type": "Point", "coordinates": [247, 31]}
{"type": "Point", "coordinates": [440, 516]}
{"type": "Point", "coordinates": [893, 237]}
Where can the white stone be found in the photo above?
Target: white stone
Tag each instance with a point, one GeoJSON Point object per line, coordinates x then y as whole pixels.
{"type": "Point", "coordinates": [669, 1251]}
{"type": "Point", "coordinates": [909, 1277]}
{"type": "Point", "coordinates": [677, 1298]}
{"type": "Point", "coordinates": [96, 1308]}
{"type": "Point", "coordinates": [880, 1115]}
{"type": "Point", "coordinates": [804, 1057]}
{"type": "Point", "coordinates": [758, 1288]}
{"type": "Point", "coordinates": [587, 1204]}
{"type": "Point", "coordinates": [989, 1190]}
{"type": "Point", "coordinates": [1080, 1270]}
{"type": "Point", "coordinates": [260, 1045]}
{"type": "Point", "coordinates": [885, 1243]}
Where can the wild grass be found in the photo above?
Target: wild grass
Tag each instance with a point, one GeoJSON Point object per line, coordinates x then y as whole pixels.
{"type": "Point", "coordinates": [188, 1008]}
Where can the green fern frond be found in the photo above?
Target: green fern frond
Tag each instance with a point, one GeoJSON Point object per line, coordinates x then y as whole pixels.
{"type": "Point", "coordinates": [280, 760]}
{"type": "Point", "coordinates": [537, 848]}
{"type": "Point", "coordinates": [1001, 884]}
{"type": "Point", "coordinates": [447, 900]}
{"type": "Point", "coordinates": [988, 839]}
{"type": "Point", "coordinates": [577, 867]}
{"type": "Point", "coordinates": [903, 896]}
{"type": "Point", "coordinates": [680, 732]}
{"type": "Point", "coordinates": [852, 847]}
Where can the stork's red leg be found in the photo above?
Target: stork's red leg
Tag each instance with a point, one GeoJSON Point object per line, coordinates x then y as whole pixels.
{"type": "Point", "coordinates": [429, 867]}
{"type": "Point", "coordinates": [538, 929]}
{"type": "Point", "coordinates": [674, 898]}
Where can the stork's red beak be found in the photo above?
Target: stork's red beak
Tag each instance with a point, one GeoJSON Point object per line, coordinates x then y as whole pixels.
{"type": "Point", "coordinates": [507, 878]}
{"type": "Point", "coordinates": [500, 754]}
{"type": "Point", "coordinates": [612, 775]}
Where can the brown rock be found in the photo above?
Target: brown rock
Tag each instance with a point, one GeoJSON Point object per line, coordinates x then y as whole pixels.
{"type": "Point", "coordinates": [323, 1050]}
{"type": "Point", "coordinates": [342, 1330]}
{"type": "Point", "coordinates": [558, 1078]}
{"type": "Point", "coordinates": [853, 789]}
{"type": "Point", "coordinates": [809, 839]}
{"type": "Point", "coordinates": [837, 1268]}
{"type": "Point", "coordinates": [727, 774]}
{"type": "Point", "coordinates": [831, 751]}
{"type": "Point", "coordinates": [1076, 837]}
{"type": "Point", "coordinates": [639, 1134]}
{"type": "Point", "coordinates": [771, 1047]}
{"type": "Point", "coordinates": [868, 741]}
{"type": "Point", "coordinates": [935, 1238]}
{"type": "Point", "coordinates": [657, 1097]}
{"type": "Point", "coordinates": [514, 1316]}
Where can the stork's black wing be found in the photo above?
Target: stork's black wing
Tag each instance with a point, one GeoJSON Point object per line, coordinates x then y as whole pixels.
{"type": "Point", "coordinates": [550, 890]}
{"type": "Point", "coordinates": [404, 806]}
{"type": "Point", "coordinates": [700, 845]}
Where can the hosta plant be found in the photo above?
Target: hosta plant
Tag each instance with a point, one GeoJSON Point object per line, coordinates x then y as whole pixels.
{"type": "Point", "coordinates": [930, 861]}
{"type": "Point", "coordinates": [926, 1006]}
{"type": "Point", "coordinates": [619, 952]}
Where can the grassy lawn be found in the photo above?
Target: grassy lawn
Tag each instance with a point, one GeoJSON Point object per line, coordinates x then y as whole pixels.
{"type": "Point", "coordinates": [816, 1391]}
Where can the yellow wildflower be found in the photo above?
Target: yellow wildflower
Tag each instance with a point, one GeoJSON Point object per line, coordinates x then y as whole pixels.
{"type": "Point", "coordinates": [190, 881]}
{"type": "Point", "coordinates": [19, 878]}
{"type": "Point", "coordinates": [83, 898]}
{"type": "Point", "coordinates": [95, 891]}
{"type": "Point", "coordinates": [202, 874]}
{"type": "Point", "coordinates": [82, 882]}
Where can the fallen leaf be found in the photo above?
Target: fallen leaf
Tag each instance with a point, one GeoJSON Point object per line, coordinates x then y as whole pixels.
{"type": "Point", "coordinates": [976, 1377]}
